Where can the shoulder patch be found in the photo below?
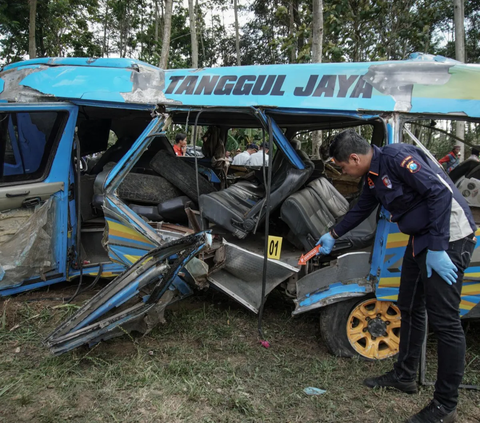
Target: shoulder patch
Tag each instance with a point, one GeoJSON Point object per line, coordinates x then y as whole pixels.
{"type": "Point", "coordinates": [405, 160]}
{"type": "Point", "coordinates": [386, 181]}
{"type": "Point", "coordinates": [413, 166]}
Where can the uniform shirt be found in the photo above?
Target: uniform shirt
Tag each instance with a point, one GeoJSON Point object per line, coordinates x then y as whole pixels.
{"type": "Point", "coordinates": [241, 159]}
{"type": "Point", "coordinates": [256, 159]}
{"type": "Point", "coordinates": [420, 198]}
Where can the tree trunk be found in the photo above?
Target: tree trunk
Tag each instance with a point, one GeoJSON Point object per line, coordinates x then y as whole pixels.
{"type": "Point", "coordinates": [105, 24]}
{"type": "Point", "coordinates": [291, 33]}
{"type": "Point", "coordinates": [201, 28]}
{"type": "Point", "coordinates": [237, 34]}
{"type": "Point", "coordinates": [156, 21]}
{"type": "Point", "coordinates": [167, 27]}
{"type": "Point", "coordinates": [32, 48]}
{"type": "Point", "coordinates": [193, 33]}
{"type": "Point", "coordinates": [459, 18]}
{"type": "Point", "coordinates": [317, 43]}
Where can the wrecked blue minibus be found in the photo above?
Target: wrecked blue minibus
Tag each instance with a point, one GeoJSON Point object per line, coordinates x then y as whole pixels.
{"type": "Point", "coordinates": [90, 185]}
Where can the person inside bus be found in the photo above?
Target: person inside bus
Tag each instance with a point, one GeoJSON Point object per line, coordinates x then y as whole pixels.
{"type": "Point", "coordinates": [474, 152]}
{"type": "Point", "coordinates": [180, 146]}
{"type": "Point", "coordinates": [427, 206]}
{"type": "Point", "coordinates": [451, 160]}
{"type": "Point", "coordinates": [256, 159]}
{"type": "Point", "coordinates": [242, 158]}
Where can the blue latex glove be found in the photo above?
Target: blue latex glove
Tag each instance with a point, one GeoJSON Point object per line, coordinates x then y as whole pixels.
{"type": "Point", "coordinates": [327, 241]}
{"type": "Point", "coordinates": [442, 264]}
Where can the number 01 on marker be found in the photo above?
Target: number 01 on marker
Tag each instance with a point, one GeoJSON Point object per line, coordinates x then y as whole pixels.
{"type": "Point", "coordinates": [274, 247]}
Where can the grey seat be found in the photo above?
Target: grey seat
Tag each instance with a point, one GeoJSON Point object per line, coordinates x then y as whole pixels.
{"type": "Point", "coordinates": [310, 213]}
{"type": "Point", "coordinates": [240, 207]}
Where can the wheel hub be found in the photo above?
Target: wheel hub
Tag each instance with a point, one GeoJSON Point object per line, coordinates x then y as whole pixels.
{"type": "Point", "coordinates": [377, 327]}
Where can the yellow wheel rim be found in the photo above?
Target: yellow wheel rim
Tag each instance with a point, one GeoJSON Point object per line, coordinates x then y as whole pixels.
{"type": "Point", "coordinates": [373, 329]}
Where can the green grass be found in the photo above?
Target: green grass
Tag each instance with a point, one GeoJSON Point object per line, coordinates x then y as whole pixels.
{"type": "Point", "coordinates": [204, 365]}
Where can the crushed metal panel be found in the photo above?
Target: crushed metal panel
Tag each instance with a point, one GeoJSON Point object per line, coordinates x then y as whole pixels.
{"type": "Point", "coordinates": [346, 278]}
{"type": "Point", "coordinates": [399, 79]}
{"type": "Point", "coordinates": [30, 251]}
{"type": "Point", "coordinates": [135, 300]}
{"type": "Point", "coordinates": [241, 276]}
{"type": "Point", "coordinates": [133, 83]}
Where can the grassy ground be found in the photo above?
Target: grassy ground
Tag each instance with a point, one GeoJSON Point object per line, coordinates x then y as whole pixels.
{"type": "Point", "coordinates": [204, 365]}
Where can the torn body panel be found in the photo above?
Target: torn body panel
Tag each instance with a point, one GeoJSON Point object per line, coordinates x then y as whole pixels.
{"type": "Point", "coordinates": [346, 278]}
{"type": "Point", "coordinates": [241, 275]}
{"type": "Point", "coordinates": [117, 81]}
{"type": "Point", "coordinates": [30, 251]}
{"type": "Point", "coordinates": [134, 300]}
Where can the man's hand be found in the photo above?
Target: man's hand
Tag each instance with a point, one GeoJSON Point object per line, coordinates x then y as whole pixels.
{"type": "Point", "coordinates": [326, 241]}
{"type": "Point", "coordinates": [442, 264]}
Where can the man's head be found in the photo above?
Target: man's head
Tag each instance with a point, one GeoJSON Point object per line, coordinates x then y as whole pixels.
{"type": "Point", "coordinates": [264, 146]}
{"type": "Point", "coordinates": [252, 148]}
{"type": "Point", "coordinates": [456, 149]}
{"type": "Point", "coordinates": [181, 139]}
{"type": "Point", "coordinates": [227, 153]}
{"type": "Point", "coordinates": [352, 153]}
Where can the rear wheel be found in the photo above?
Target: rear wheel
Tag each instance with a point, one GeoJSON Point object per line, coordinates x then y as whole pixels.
{"type": "Point", "coordinates": [367, 327]}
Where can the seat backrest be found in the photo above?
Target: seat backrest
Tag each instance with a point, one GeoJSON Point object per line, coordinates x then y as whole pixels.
{"type": "Point", "coordinates": [309, 213]}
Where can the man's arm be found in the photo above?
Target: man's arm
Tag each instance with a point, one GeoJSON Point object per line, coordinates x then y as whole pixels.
{"type": "Point", "coordinates": [445, 159]}
{"type": "Point", "coordinates": [417, 173]}
{"type": "Point", "coordinates": [364, 207]}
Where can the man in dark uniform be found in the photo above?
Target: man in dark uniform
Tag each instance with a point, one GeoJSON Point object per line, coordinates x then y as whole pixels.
{"type": "Point", "coordinates": [427, 206]}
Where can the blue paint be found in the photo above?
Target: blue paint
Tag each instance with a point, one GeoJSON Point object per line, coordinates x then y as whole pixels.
{"type": "Point", "coordinates": [116, 301]}
{"type": "Point", "coordinates": [140, 244]}
{"type": "Point", "coordinates": [114, 268]}
{"type": "Point", "coordinates": [23, 288]}
{"type": "Point", "coordinates": [100, 84]}
{"type": "Point", "coordinates": [286, 147]}
{"type": "Point", "coordinates": [333, 290]}
{"type": "Point", "coordinates": [81, 61]}
{"type": "Point", "coordinates": [181, 286]}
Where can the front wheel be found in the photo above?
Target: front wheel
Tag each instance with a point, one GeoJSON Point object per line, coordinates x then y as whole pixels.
{"type": "Point", "coordinates": [366, 327]}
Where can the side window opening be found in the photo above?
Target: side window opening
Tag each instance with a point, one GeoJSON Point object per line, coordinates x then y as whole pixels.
{"type": "Point", "coordinates": [29, 140]}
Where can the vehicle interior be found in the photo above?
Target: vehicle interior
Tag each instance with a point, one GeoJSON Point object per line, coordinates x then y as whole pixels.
{"type": "Point", "coordinates": [306, 196]}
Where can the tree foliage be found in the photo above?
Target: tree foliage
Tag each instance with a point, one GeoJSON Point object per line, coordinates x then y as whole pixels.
{"type": "Point", "coordinates": [275, 31]}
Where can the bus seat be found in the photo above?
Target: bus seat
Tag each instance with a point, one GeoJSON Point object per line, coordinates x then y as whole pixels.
{"type": "Point", "coordinates": [240, 207]}
{"type": "Point", "coordinates": [310, 213]}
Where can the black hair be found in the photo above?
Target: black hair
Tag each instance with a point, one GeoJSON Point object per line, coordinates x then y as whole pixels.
{"type": "Point", "coordinates": [180, 137]}
{"type": "Point", "coordinates": [476, 150]}
{"type": "Point", "coordinates": [346, 143]}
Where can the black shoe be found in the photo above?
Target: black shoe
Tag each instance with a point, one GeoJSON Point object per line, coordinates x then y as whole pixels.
{"type": "Point", "coordinates": [390, 380]}
{"type": "Point", "coordinates": [434, 413]}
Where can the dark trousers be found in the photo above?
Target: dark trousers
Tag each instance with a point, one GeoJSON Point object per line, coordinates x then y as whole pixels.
{"type": "Point", "coordinates": [419, 296]}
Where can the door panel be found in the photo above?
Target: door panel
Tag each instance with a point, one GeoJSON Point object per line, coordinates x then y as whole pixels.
{"type": "Point", "coordinates": [35, 151]}
{"type": "Point", "coordinates": [128, 236]}
{"type": "Point", "coordinates": [27, 195]}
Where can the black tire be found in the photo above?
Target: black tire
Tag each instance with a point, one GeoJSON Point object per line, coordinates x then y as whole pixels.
{"type": "Point", "coordinates": [146, 189]}
{"type": "Point", "coordinates": [181, 175]}
{"type": "Point", "coordinates": [373, 325]}
{"type": "Point", "coordinates": [333, 327]}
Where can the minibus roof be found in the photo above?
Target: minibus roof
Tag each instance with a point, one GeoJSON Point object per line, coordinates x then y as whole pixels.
{"type": "Point", "coordinates": [423, 84]}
